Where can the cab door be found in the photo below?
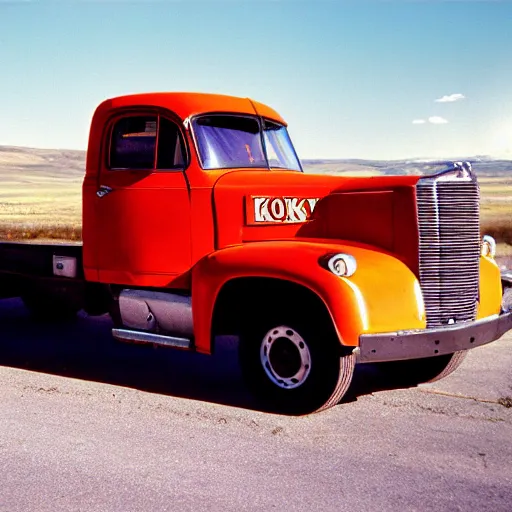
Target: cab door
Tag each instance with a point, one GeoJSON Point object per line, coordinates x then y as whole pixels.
{"type": "Point", "coordinates": [142, 203]}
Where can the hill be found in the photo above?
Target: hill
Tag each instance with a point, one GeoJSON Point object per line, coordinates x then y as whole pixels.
{"type": "Point", "coordinates": [483, 166]}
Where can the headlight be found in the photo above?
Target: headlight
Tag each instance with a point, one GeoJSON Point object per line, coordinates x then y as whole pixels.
{"type": "Point", "coordinates": [488, 246]}
{"type": "Point", "coordinates": [342, 264]}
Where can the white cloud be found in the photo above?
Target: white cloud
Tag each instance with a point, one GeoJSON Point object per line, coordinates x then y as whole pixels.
{"type": "Point", "coordinates": [419, 121]}
{"type": "Point", "coordinates": [450, 98]}
{"type": "Point", "coordinates": [437, 120]}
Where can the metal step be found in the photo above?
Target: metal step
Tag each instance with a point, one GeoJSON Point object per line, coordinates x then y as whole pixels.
{"type": "Point", "coordinates": [149, 337]}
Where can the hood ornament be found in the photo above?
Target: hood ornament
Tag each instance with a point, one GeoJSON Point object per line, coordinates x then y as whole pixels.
{"type": "Point", "coordinates": [457, 171]}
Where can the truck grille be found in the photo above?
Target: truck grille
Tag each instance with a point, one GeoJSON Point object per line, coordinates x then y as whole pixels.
{"type": "Point", "coordinates": [449, 245]}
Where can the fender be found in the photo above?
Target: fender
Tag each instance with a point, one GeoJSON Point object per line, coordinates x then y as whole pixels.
{"type": "Point", "coordinates": [490, 288]}
{"type": "Point", "coordinates": [383, 295]}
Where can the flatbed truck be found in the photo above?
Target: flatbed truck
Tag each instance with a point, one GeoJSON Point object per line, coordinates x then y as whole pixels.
{"type": "Point", "coordinates": [198, 220]}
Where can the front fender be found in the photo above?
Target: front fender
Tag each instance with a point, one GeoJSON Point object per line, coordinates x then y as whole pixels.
{"type": "Point", "coordinates": [383, 295]}
{"type": "Point", "coordinates": [490, 288]}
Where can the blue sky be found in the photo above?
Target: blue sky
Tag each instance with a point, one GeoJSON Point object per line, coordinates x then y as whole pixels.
{"type": "Point", "coordinates": [350, 77]}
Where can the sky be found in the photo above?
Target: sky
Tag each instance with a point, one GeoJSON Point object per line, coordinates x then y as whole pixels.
{"type": "Point", "coordinates": [353, 79]}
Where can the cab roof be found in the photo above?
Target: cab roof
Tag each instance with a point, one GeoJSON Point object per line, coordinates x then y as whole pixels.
{"type": "Point", "coordinates": [186, 104]}
{"type": "Point", "coordinates": [182, 104]}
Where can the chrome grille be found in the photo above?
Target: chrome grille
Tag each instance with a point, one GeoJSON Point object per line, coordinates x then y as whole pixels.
{"type": "Point", "coordinates": [449, 245]}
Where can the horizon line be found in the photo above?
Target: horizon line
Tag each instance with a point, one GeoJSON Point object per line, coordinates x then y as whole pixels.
{"type": "Point", "coordinates": [424, 159]}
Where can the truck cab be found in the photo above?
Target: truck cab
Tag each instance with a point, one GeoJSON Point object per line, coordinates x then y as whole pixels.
{"type": "Point", "coordinates": [155, 166]}
{"type": "Point", "coordinates": [198, 220]}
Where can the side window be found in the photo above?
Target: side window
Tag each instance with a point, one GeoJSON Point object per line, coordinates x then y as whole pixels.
{"type": "Point", "coordinates": [146, 142]}
{"type": "Point", "coordinates": [170, 146]}
{"type": "Point", "coordinates": [133, 143]}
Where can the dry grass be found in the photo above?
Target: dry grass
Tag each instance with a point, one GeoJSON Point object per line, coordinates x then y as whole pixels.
{"type": "Point", "coordinates": [499, 229]}
{"type": "Point", "coordinates": [40, 212]}
{"type": "Point", "coordinates": [30, 231]}
{"type": "Point", "coordinates": [38, 198]}
{"type": "Point", "coordinates": [496, 210]}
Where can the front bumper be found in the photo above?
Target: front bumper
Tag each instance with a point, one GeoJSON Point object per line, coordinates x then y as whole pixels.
{"type": "Point", "coordinates": [394, 346]}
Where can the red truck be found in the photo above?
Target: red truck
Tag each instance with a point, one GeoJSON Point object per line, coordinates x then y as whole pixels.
{"type": "Point", "coordinates": [199, 221]}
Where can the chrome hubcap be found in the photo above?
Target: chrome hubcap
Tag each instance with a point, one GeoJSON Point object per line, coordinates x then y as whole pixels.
{"type": "Point", "coordinates": [285, 357]}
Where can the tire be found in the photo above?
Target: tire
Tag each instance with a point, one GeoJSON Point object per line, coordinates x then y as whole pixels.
{"type": "Point", "coordinates": [47, 308]}
{"type": "Point", "coordinates": [506, 301]}
{"type": "Point", "coordinates": [420, 371]}
{"type": "Point", "coordinates": [293, 367]}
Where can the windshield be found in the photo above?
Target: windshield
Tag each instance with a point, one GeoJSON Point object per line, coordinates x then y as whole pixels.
{"type": "Point", "coordinates": [228, 141]}
{"type": "Point", "coordinates": [279, 147]}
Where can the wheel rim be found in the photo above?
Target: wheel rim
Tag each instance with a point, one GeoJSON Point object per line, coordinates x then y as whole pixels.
{"type": "Point", "coordinates": [285, 357]}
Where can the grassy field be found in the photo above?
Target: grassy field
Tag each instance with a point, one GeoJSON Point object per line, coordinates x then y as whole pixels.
{"type": "Point", "coordinates": [40, 192]}
{"type": "Point", "coordinates": [40, 210]}
{"type": "Point", "coordinates": [496, 208]}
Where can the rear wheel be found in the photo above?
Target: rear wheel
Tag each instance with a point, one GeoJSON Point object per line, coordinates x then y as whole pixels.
{"type": "Point", "coordinates": [49, 308]}
{"type": "Point", "coordinates": [417, 371]}
{"type": "Point", "coordinates": [292, 365]}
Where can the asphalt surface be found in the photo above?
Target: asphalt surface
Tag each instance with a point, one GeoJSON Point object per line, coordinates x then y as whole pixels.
{"type": "Point", "coordinates": [89, 424]}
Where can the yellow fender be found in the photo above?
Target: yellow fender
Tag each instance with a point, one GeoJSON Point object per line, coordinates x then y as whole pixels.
{"type": "Point", "coordinates": [490, 288]}
{"type": "Point", "coordinates": [383, 295]}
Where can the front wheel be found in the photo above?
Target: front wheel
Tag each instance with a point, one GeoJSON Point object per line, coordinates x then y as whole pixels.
{"type": "Point", "coordinates": [294, 367]}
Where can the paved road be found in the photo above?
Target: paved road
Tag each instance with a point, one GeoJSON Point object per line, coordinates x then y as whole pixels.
{"type": "Point", "coordinates": [87, 424]}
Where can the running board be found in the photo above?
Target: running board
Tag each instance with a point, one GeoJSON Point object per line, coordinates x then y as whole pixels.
{"type": "Point", "coordinates": [149, 337]}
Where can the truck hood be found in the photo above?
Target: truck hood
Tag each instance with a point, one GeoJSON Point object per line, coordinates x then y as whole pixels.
{"type": "Point", "coordinates": [269, 205]}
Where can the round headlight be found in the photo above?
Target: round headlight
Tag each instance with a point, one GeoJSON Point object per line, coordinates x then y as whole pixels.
{"type": "Point", "coordinates": [342, 265]}
{"type": "Point", "coordinates": [488, 246]}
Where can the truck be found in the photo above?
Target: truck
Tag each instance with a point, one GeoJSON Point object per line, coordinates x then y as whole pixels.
{"type": "Point", "coordinates": [198, 221]}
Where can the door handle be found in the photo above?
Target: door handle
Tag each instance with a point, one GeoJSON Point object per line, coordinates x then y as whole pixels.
{"type": "Point", "coordinates": [103, 191]}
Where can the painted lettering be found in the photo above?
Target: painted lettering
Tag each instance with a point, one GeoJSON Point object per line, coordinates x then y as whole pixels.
{"type": "Point", "coordinates": [283, 209]}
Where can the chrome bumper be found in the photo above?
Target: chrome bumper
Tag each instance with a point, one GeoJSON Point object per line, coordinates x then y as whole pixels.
{"type": "Point", "coordinates": [394, 346]}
